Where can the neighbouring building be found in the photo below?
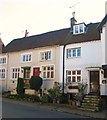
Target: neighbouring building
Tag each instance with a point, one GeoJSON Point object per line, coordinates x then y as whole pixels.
{"type": "Point", "coordinates": [103, 29]}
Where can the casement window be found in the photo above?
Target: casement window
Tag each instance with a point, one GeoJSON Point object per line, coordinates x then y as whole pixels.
{"type": "Point", "coordinates": [3, 60]}
{"type": "Point", "coordinates": [26, 57]}
{"type": "Point", "coordinates": [15, 72]}
{"type": "Point", "coordinates": [46, 55]}
{"type": "Point", "coordinates": [74, 52]}
{"type": "Point", "coordinates": [79, 28]}
{"type": "Point", "coordinates": [2, 73]}
{"type": "Point", "coordinates": [73, 76]}
{"type": "Point", "coordinates": [48, 72]}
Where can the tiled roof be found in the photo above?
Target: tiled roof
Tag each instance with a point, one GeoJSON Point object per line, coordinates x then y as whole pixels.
{"type": "Point", "coordinates": [58, 37]}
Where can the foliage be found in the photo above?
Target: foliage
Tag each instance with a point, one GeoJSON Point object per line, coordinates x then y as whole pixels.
{"type": "Point", "coordinates": [46, 98]}
{"type": "Point", "coordinates": [55, 92]}
{"type": "Point", "coordinates": [20, 86]}
{"type": "Point", "coordinates": [24, 97]}
{"type": "Point", "coordinates": [36, 82]}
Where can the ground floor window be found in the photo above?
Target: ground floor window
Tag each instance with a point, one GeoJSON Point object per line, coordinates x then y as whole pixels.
{"type": "Point", "coordinates": [48, 71]}
{"type": "Point", "coordinates": [2, 73]}
{"type": "Point", "coordinates": [73, 76]}
{"type": "Point", "coordinates": [15, 73]}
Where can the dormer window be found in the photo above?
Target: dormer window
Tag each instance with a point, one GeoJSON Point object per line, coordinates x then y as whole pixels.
{"type": "Point", "coordinates": [79, 28]}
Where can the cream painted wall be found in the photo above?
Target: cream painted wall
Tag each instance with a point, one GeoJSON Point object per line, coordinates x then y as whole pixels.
{"type": "Point", "coordinates": [3, 83]}
{"type": "Point", "coordinates": [15, 61]}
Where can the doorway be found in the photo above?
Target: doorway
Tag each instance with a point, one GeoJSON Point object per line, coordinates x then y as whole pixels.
{"type": "Point", "coordinates": [36, 71]}
{"type": "Point", "coordinates": [94, 82]}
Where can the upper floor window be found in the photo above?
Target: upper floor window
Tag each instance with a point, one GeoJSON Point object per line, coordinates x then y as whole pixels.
{"type": "Point", "coordinates": [2, 73]}
{"type": "Point", "coordinates": [3, 60]}
{"type": "Point", "coordinates": [46, 55]}
{"type": "Point", "coordinates": [79, 28]}
{"type": "Point", "coordinates": [74, 52]}
{"type": "Point", "coordinates": [26, 57]}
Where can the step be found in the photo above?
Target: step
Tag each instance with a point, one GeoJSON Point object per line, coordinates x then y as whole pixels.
{"type": "Point", "coordinates": [87, 109]}
{"type": "Point", "coordinates": [91, 101]}
{"type": "Point", "coordinates": [92, 107]}
{"type": "Point", "coordinates": [90, 104]}
{"type": "Point", "coordinates": [89, 98]}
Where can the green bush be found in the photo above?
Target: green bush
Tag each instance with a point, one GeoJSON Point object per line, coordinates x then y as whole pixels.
{"type": "Point", "coordinates": [46, 98]}
{"type": "Point", "coordinates": [20, 86]}
{"type": "Point", "coordinates": [35, 82]}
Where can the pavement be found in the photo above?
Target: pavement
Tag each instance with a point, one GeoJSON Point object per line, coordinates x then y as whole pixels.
{"type": "Point", "coordinates": [63, 108]}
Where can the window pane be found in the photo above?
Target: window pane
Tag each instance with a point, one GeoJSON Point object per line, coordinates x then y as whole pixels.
{"type": "Point", "coordinates": [74, 52]}
{"type": "Point", "coordinates": [76, 29]}
{"type": "Point", "coordinates": [73, 72]}
{"type": "Point", "coordinates": [29, 57]}
{"type": "Point", "coordinates": [81, 28]}
{"type": "Point", "coordinates": [52, 74]}
{"type": "Point", "coordinates": [48, 74]}
{"type": "Point", "coordinates": [48, 68]}
{"type": "Point", "coordinates": [79, 52]}
{"type": "Point", "coordinates": [69, 72]}
{"type": "Point", "coordinates": [44, 74]}
{"type": "Point", "coordinates": [49, 55]}
{"type": "Point", "coordinates": [52, 68]}
{"type": "Point", "coordinates": [24, 58]}
{"type": "Point", "coordinates": [78, 78]}
{"type": "Point", "coordinates": [69, 79]}
{"type": "Point", "coordinates": [42, 56]}
{"type": "Point", "coordinates": [79, 72]}
{"type": "Point", "coordinates": [44, 68]}
{"type": "Point", "coordinates": [68, 53]}
{"type": "Point", "coordinates": [73, 79]}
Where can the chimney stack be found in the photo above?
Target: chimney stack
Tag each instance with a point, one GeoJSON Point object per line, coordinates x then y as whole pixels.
{"type": "Point", "coordinates": [73, 21]}
{"type": "Point", "coordinates": [26, 33]}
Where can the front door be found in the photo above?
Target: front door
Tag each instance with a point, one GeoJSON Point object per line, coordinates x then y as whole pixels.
{"type": "Point", "coordinates": [94, 82]}
{"type": "Point", "coordinates": [36, 71]}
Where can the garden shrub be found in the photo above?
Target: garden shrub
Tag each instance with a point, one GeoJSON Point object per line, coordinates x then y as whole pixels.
{"type": "Point", "coordinates": [35, 82]}
{"type": "Point", "coordinates": [20, 86]}
{"type": "Point", "coordinates": [46, 99]}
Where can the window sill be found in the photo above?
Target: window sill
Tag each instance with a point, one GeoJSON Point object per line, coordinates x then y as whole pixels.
{"type": "Point", "coordinates": [73, 58]}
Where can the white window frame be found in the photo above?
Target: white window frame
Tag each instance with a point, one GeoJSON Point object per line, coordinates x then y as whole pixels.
{"type": "Point", "coordinates": [48, 71]}
{"type": "Point", "coordinates": [1, 59]}
{"type": "Point", "coordinates": [43, 55]}
{"type": "Point", "coordinates": [75, 75]}
{"type": "Point", "coordinates": [70, 53]}
{"type": "Point", "coordinates": [77, 29]}
{"type": "Point", "coordinates": [26, 54]}
{"type": "Point", "coordinates": [3, 73]}
{"type": "Point", "coordinates": [16, 72]}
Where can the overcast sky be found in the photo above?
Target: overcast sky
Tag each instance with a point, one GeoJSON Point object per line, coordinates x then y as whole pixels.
{"type": "Point", "coordinates": [40, 16]}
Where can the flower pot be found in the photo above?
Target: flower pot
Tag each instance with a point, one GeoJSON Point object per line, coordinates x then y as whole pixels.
{"type": "Point", "coordinates": [73, 104]}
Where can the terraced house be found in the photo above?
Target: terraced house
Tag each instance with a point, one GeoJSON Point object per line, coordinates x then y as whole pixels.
{"type": "Point", "coordinates": [68, 56]}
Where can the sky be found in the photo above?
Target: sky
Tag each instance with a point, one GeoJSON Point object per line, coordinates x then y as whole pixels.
{"type": "Point", "coordinates": [41, 16]}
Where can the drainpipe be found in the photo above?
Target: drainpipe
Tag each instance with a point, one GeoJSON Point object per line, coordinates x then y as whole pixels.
{"type": "Point", "coordinates": [63, 72]}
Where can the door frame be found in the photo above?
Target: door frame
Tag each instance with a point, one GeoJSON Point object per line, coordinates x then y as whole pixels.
{"type": "Point", "coordinates": [97, 92]}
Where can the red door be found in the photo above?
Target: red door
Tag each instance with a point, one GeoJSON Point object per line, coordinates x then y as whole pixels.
{"type": "Point", "coordinates": [36, 71]}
